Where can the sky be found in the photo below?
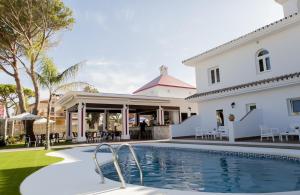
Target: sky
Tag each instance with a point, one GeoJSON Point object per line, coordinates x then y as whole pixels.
{"type": "Point", "coordinates": [124, 42]}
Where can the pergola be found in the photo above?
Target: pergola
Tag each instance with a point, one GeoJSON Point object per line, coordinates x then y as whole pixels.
{"type": "Point", "coordinates": [83, 102]}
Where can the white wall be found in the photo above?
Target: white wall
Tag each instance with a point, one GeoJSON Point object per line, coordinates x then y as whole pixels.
{"type": "Point", "coordinates": [164, 91]}
{"type": "Point", "coordinates": [238, 65]}
{"type": "Point", "coordinates": [187, 128]}
{"type": "Point", "coordinates": [273, 104]}
{"type": "Point", "coordinates": [249, 126]}
{"type": "Point", "coordinates": [184, 105]}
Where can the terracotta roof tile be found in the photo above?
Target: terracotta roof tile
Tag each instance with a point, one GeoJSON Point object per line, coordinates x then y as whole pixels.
{"type": "Point", "coordinates": [165, 80]}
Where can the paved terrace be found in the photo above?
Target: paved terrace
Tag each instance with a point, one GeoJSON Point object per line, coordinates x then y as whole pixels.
{"type": "Point", "coordinates": [76, 175]}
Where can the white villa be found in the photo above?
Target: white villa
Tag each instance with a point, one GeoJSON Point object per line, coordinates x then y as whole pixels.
{"type": "Point", "coordinates": [255, 77]}
{"type": "Point", "coordinates": [162, 100]}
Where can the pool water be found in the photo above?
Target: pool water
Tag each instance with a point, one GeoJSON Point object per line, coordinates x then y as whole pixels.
{"type": "Point", "coordinates": [199, 170]}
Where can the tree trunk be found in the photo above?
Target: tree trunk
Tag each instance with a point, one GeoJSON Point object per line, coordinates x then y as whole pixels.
{"type": "Point", "coordinates": [36, 94]}
{"type": "Point", "coordinates": [35, 109]}
{"type": "Point", "coordinates": [22, 105]}
{"type": "Point", "coordinates": [7, 111]}
{"type": "Point", "coordinates": [20, 91]}
{"type": "Point", "coordinates": [47, 145]}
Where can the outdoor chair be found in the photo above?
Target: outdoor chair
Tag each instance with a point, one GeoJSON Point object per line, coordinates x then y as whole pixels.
{"type": "Point", "coordinates": [96, 137]}
{"type": "Point", "coordinates": [38, 140]}
{"type": "Point", "coordinates": [212, 134]}
{"type": "Point", "coordinates": [117, 134]}
{"type": "Point", "coordinates": [223, 132]}
{"type": "Point", "coordinates": [88, 136]}
{"type": "Point", "coordinates": [266, 132]}
{"type": "Point", "coordinates": [43, 139]}
{"type": "Point", "coordinates": [74, 137]}
{"type": "Point", "coordinates": [28, 141]}
{"type": "Point", "coordinates": [56, 137]}
{"type": "Point", "coordinates": [51, 138]}
{"type": "Point", "coordinates": [294, 130]}
{"type": "Point", "coordinates": [63, 137]}
{"type": "Point", "coordinates": [199, 133]}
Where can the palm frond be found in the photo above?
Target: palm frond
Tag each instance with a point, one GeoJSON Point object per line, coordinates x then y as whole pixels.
{"type": "Point", "coordinates": [70, 72]}
{"type": "Point", "coordinates": [42, 80]}
{"type": "Point", "coordinates": [74, 86]}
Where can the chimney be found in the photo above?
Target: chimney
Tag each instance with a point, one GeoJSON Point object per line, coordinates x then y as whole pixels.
{"type": "Point", "coordinates": [290, 7]}
{"type": "Point", "coordinates": [163, 70]}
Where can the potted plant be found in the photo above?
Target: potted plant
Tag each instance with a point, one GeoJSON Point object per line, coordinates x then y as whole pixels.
{"type": "Point", "coordinates": [231, 117]}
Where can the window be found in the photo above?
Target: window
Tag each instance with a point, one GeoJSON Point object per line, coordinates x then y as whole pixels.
{"type": "Point", "coordinates": [214, 75]}
{"type": "Point", "coordinates": [250, 107]}
{"type": "Point", "coordinates": [263, 61]}
{"type": "Point", "coordinates": [52, 109]}
{"type": "Point", "coordinates": [294, 106]}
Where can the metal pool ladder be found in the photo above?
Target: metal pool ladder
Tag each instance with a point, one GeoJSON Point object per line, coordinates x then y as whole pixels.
{"type": "Point", "coordinates": [116, 163]}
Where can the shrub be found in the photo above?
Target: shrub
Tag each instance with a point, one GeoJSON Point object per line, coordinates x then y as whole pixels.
{"type": "Point", "coordinates": [11, 140]}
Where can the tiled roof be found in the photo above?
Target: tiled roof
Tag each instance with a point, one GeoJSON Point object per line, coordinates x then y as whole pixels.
{"type": "Point", "coordinates": [165, 80]}
{"type": "Point", "coordinates": [246, 85]}
{"type": "Point", "coordinates": [264, 28]}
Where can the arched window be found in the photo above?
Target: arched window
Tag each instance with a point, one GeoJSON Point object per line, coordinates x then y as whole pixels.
{"type": "Point", "coordinates": [263, 61]}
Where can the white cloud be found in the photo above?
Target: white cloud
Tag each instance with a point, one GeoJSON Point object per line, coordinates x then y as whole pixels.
{"type": "Point", "coordinates": [114, 77]}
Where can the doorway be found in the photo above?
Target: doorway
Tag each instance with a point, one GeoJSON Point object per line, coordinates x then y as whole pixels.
{"type": "Point", "coordinates": [220, 118]}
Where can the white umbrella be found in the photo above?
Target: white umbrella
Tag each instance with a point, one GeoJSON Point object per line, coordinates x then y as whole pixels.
{"type": "Point", "coordinates": [24, 117]}
{"type": "Point", "coordinates": [42, 121]}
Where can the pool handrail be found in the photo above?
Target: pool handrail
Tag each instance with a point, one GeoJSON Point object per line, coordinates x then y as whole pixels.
{"type": "Point", "coordinates": [135, 159]}
{"type": "Point", "coordinates": [115, 161]}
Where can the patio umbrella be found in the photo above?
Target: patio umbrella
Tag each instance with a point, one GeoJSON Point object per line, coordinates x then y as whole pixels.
{"type": "Point", "coordinates": [42, 121]}
{"type": "Point", "coordinates": [24, 117]}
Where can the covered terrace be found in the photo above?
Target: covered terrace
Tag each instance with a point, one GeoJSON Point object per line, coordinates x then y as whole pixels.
{"type": "Point", "coordinates": [120, 113]}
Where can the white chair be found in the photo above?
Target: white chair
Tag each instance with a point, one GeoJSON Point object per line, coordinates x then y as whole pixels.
{"type": "Point", "coordinates": [223, 132]}
{"type": "Point", "coordinates": [199, 132]}
{"type": "Point", "coordinates": [266, 132]}
{"type": "Point", "coordinates": [212, 134]}
{"type": "Point", "coordinates": [294, 130]}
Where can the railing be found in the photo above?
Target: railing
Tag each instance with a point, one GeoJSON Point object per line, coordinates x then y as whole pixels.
{"type": "Point", "coordinates": [135, 159]}
{"type": "Point", "coordinates": [246, 115]}
{"type": "Point", "coordinates": [116, 163]}
{"type": "Point", "coordinates": [249, 126]}
{"type": "Point", "coordinates": [115, 160]}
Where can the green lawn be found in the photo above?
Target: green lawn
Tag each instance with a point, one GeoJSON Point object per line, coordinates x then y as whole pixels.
{"type": "Point", "coordinates": [16, 166]}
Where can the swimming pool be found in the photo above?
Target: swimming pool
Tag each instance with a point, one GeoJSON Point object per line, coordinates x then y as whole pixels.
{"type": "Point", "coordinates": [208, 171]}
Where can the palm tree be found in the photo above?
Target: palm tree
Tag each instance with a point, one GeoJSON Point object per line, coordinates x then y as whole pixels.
{"type": "Point", "coordinates": [55, 82]}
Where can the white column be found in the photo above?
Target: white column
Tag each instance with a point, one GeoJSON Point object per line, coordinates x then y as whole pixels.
{"type": "Point", "coordinates": [189, 112]}
{"type": "Point", "coordinates": [68, 125]}
{"type": "Point", "coordinates": [125, 124]}
{"type": "Point", "coordinates": [81, 122]}
{"type": "Point", "coordinates": [231, 132]}
{"type": "Point", "coordinates": [161, 116]}
{"type": "Point", "coordinates": [104, 120]}
{"type": "Point", "coordinates": [158, 117]}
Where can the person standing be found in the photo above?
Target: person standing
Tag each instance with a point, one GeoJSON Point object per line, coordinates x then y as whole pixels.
{"type": "Point", "coordinates": [143, 129]}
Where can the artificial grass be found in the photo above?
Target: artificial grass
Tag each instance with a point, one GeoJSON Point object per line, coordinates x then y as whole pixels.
{"type": "Point", "coordinates": [16, 166]}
